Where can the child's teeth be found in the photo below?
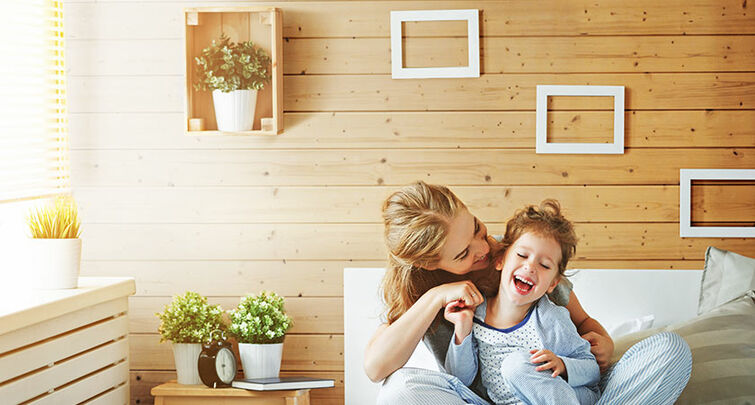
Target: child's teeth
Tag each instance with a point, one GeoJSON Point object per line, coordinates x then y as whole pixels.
{"type": "Point", "coordinates": [523, 280]}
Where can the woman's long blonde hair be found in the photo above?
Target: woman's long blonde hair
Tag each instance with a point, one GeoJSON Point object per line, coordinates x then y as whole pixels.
{"type": "Point", "coordinates": [416, 218]}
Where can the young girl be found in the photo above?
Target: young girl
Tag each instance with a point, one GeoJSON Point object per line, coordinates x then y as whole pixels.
{"type": "Point", "coordinates": [528, 349]}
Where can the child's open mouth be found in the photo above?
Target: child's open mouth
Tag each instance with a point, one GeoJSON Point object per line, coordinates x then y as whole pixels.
{"type": "Point", "coordinates": [523, 284]}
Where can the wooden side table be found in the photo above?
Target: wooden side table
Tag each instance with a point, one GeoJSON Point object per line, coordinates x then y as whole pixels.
{"type": "Point", "coordinates": [172, 393]}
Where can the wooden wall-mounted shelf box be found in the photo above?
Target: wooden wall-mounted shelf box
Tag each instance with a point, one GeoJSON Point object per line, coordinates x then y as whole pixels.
{"type": "Point", "coordinates": [261, 25]}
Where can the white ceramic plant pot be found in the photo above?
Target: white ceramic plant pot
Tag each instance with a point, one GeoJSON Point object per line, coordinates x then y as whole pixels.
{"type": "Point", "coordinates": [54, 263]}
{"type": "Point", "coordinates": [186, 356]}
{"type": "Point", "coordinates": [234, 111]}
{"type": "Point", "coordinates": [261, 361]}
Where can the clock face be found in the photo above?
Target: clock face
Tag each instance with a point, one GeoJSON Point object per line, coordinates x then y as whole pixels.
{"type": "Point", "coordinates": [225, 365]}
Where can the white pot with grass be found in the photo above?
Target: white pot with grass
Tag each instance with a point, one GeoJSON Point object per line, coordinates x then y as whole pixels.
{"type": "Point", "coordinates": [54, 250]}
{"type": "Point", "coordinates": [54, 263]}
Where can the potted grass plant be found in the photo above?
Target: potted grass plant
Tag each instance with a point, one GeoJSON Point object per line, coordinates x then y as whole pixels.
{"type": "Point", "coordinates": [55, 255]}
{"type": "Point", "coordinates": [259, 324]}
{"type": "Point", "coordinates": [187, 322]}
{"type": "Point", "coordinates": [234, 72]}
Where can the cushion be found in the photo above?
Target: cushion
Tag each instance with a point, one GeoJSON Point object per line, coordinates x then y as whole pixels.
{"type": "Point", "coordinates": [723, 353]}
{"type": "Point", "coordinates": [632, 325]}
{"type": "Point", "coordinates": [727, 276]}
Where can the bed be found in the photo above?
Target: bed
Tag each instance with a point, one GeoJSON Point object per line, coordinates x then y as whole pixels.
{"type": "Point", "coordinates": [638, 300]}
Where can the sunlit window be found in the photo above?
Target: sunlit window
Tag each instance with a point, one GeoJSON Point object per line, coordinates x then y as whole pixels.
{"type": "Point", "coordinates": [33, 118]}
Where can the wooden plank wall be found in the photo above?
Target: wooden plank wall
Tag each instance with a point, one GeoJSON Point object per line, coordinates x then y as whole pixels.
{"type": "Point", "coordinates": [225, 216]}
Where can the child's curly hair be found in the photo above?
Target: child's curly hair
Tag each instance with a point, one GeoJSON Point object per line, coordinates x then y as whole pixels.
{"type": "Point", "coordinates": [545, 220]}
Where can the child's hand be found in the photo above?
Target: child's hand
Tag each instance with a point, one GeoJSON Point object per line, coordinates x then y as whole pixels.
{"type": "Point", "coordinates": [552, 362]}
{"type": "Point", "coordinates": [461, 290]}
{"type": "Point", "coordinates": [458, 313]}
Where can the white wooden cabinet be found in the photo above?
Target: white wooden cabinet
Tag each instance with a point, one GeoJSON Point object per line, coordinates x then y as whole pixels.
{"type": "Point", "coordinates": [66, 346]}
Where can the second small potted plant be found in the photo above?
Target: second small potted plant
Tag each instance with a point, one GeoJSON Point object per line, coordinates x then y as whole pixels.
{"type": "Point", "coordinates": [260, 324]}
{"type": "Point", "coordinates": [233, 72]}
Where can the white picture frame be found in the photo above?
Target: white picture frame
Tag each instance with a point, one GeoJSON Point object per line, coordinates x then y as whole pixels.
{"type": "Point", "coordinates": [398, 71]}
{"type": "Point", "coordinates": [541, 125]}
{"type": "Point", "coordinates": [686, 230]}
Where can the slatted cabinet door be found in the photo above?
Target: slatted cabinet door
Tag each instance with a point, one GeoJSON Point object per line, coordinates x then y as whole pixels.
{"type": "Point", "coordinates": [78, 357]}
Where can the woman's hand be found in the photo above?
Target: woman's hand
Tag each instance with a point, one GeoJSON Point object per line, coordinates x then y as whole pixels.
{"type": "Point", "coordinates": [550, 360]}
{"type": "Point", "coordinates": [601, 347]}
{"type": "Point", "coordinates": [459, 291]}
{"type": "Point", "coordinates": [459, 314]}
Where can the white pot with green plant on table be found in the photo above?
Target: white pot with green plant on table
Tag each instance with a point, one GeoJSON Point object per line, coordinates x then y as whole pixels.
{"type": "Point", "coordinates": [234, 72]}
{"type": "Point", "coordinates": [55, 246]}
{"type": "Point", "coordinates": [259, 325]}
{"type": "Point", "coordinates": [187, 322]}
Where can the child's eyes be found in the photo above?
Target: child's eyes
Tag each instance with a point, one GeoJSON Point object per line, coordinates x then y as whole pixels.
{"type": "Point", "coordinates": [521, 255]}
{"type": "Point", "coordinates": [545, 266]}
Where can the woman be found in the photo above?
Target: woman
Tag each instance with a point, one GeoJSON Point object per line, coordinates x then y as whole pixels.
{"type": "Point", "coordinates": [438, 253]}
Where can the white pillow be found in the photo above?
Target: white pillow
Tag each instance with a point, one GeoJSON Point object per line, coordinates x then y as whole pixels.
{"type": "Point", "coordinates": [727, 276]}
{"type": "Point", "coordinates": [632, 326]}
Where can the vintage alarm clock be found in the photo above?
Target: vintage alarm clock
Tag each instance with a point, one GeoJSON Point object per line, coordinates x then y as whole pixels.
{"type": "Point", "coordinates": [217, 363]}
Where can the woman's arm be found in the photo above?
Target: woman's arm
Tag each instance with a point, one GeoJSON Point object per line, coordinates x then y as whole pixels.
{"type": "Point", "coordinates": [392, 345]}
{"type": "Point", "coordinates": [601, 344]}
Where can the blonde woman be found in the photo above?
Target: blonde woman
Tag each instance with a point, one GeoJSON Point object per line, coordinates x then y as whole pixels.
{"type": "Point", "coordinates": [440, 253]}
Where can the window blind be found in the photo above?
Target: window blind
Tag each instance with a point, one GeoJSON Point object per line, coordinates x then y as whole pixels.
{"type": "Point", "coordinates": [33, 117]}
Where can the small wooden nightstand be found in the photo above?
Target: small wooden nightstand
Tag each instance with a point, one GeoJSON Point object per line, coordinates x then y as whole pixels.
{"type": "Point", "coordinates": [172, 393]}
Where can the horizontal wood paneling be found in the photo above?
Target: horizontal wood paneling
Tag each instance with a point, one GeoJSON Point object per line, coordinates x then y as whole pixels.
{"type": "Point", "coordinates": [491, 92]}
{"type": "Point", "coordinates": [300, 353]}
{"type": "Point", "coordinates": [362, 242]}
{"type": "Point", "coordinates": [427, 130]}
{"type": "Point", "coordinates": [163, 20]}
{"type": "Point", "coordinates": [142, 382]}
{"type": "Point", "coordinates": [125, 57]}
{"type": "Point", "coordinates": [582, 54]}
{"type": "Point", "coordinates": [527, 54]}
{"type": "Point", "coordinates": [724, 203]}
{"type": "Point", "coordinates": [230, 277]}
{"type": "Point", "coordinates": [654, 91]}
{"type": "Point", "coordinates": [392, 167]}
{"type": "Point", "coordinates": [308, 278]}
{"type": "Point", "coordinates": [310, 315]}
{"type": "Point", "coordinates": [362, 204]}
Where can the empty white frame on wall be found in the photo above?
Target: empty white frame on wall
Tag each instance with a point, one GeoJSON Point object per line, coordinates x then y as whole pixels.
{"type": "Point", "coordinates": [686, 230]}
{"type": "Point", "coordinates": [473, 34]}
{"type": "Point", "coordinates": [541, 125]}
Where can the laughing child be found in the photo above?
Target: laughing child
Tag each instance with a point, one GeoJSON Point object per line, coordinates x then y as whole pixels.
{"type": "Point", "coordinates": [528, 349]}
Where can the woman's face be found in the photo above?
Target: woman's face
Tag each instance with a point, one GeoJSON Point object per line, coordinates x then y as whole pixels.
{"type": "Point", "coordinates": [466, 247]}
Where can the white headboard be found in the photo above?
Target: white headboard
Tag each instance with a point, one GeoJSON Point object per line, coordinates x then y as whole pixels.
{"type": "Point", "coordinates": [610, 296]}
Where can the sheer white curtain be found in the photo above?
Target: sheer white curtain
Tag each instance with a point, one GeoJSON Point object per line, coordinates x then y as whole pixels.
{"type": "Point", "coordinates": [33, 123]}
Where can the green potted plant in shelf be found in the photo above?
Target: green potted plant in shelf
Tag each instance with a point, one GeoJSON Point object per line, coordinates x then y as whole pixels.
{"type": "Point", "coordinates": [187, 322]}
{"type": "Point", "coordinates": [260, 324]}
{"type": "Point", "coordinates": [234, 72]}
{"type": "Point", "coordinates": [55, 255]}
